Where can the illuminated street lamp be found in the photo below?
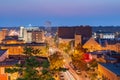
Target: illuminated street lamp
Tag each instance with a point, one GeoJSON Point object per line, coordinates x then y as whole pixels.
{"type": "Point", "coordinates": [64, 60]}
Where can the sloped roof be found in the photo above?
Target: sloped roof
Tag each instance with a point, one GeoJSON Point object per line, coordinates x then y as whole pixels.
{"type": "Point", "coordinates": [115, 68]}
{"type": "Point", "coordinates": [2, 51]}
{"type": "Point", "coordinates": [103, 42]}
{"type": "Point", "coordinates": [91, 41]}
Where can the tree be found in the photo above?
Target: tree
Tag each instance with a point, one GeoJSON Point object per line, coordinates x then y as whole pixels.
{"type": "Point", "coordinates": [67, 48]}
{"type": "Point", "coordinates": [26, 71]}
{"type": "Point", "coordinates": [32, 69]}
{"type": "Point", "coordinates": [93, 63]}
{"type": "Point", "coordinates": [29, 51]}
{"type": "Point", "coordinates": [56, 61]}
{"type": "Point", "coordinates": [78, 62]}
{"type": "Point", "coordinates": [36, 51]}
{"type": "Point", "coordinates": [78, 58]}
{"type": "Point", "coordinates": [30, 72]}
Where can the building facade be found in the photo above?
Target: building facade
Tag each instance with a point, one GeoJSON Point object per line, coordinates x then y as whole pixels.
{"type": "Point", "coordinates": [16, 46]}
{"type": "Point", "coordinates": [37, 36]}
{"type": "Point", "coordinates": [69, 32]}
{"type": "Point", "coordinates": [3, 33]}
{"type": "Point", "coordinates": [92, 45]}
{"type": "Point", "coordinates": [31, 34]}
{"type": "Point", "coordinates": [109, 71]}
{"type": "Point", "coordinates": [102, 44]}
{"type": "Point", "coordinates": [80, 34]}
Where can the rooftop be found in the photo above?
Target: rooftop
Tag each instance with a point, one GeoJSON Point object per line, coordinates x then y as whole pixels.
{"type": "Point", "coordinates": [69, 32]}
{"type": "Point", "coordinates": [25, 44]}
{"type": "Point", "coordinates": [9, 63]}
{"type": "Point", "coordinates": [11, 38]}
{"type": "Point", "coordinates": [2, 51]}
{"type": "Point", "coordinates": [14, 59]}
{"type": "Point", "coordinates": [115, 68]}
{"type": "Point", "coordinates": [104, 42]}
{"type": "Point", "coordinates": [110, 58]}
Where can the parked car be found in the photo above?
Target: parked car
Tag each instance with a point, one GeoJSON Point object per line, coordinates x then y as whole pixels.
{"type": "Point", "coordinates": [78, 71]}
{"type": "Point", "coordinates": [61, 76]}
{"type": "Point", "coordinates": [72, 66]}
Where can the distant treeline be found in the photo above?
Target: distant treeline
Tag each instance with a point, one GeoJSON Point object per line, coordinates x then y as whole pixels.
{"type": "Point", "coordinates": [94, 29]}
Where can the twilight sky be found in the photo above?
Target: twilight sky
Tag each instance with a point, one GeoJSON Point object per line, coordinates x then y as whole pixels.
{"type": "Point", "coordinates": [59, 12]}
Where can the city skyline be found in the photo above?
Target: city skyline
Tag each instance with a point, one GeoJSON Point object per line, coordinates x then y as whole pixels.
{"type": "Point", "coordinates": [60, 13]}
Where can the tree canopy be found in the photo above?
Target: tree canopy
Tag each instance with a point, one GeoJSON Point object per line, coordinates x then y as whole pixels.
{"type": "Point", "coordinates": [33, 69]}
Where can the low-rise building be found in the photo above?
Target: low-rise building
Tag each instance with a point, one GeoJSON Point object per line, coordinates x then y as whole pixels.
{"type": "Point", "coordinates": [109, 71]}
{"type": "Point", "coordinates": [12, 40]}
{"type": "Point", "coordinates": [17, 49]}
{"type": "Point", "coordinates": [77, 33]}
{"type": "Point", "coordinates": [104, 35]}
{"type": "Point", "coordinates": [92, 45]}
{"type": "Point", "coordinates": [3, 33]}
{"type": "Point", "coordinates": [102, 44]}
{"type": "Point", "coordinates": [3, 54]}
{"type": "Point", "coordinates": [10, 62]}
{"type": "Point", "coordinates": [16, 46]}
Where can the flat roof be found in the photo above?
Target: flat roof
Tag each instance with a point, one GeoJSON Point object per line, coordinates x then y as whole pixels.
{"type": "Point", "coordinates": [14, 59]}
{"type": "Point", "coordinates": [9, 63]}
{"type": "Point", "coordinates": [113, 67]}
{"type": "Point", "coordinates": [25, 44]}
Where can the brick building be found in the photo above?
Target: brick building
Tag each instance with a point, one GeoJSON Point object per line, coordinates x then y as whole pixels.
{"type": "Point", "coordinates": [83, 33]}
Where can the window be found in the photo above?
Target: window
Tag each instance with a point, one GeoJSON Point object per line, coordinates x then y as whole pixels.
{"type": "Point", "coordinates": [2, 70]}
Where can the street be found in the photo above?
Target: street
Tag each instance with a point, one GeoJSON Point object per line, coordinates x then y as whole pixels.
{"type": "Point", "coordinates": [71, 73]}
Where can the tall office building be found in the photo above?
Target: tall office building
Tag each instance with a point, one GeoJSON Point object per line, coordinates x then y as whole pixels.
{"type": "Point", "coordinates": [21, 31]}
{"type": "Point", "coordinates": [38, 36]}
{"type": "Point", "coordinates": [25, 35]}
{"type": "Point", "coordinates": [31, 34]}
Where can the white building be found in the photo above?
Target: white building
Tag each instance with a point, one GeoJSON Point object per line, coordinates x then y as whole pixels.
{"type": "Point", "coordinates": [104, 35]}
{"type": "Point", "coordinates": [28, 34]}
{"type": "Point", "coordinates": [21, 31]}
